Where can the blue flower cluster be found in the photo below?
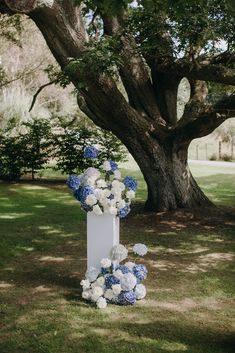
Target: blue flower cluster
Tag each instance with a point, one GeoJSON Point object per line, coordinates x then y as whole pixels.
{"type": "Point", "coordinates": [123, 269]}
{"type": "Point", "coordinates": [82, 192]}
{"type": "Point", "coordinates": [130, 183]}
{"type": "Point", "coordinates": [140, 271]}
{"type": "Point", "coordinates": [123, 212]}
{"type": "Point", "coordinates": [113, 166]}
{"type": "Point", "coordinates": [127, 298]}
{"type": "Point", "coordinates": [110, 280]}
{"type": "Point", "coordinates": [73, 182]}
{"type": "Point", "coordinates": [90, 152]}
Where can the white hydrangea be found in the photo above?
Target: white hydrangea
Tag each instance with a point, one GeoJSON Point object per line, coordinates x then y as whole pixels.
{"type": "Point", "coordinates": [85, 283]}
{"type": "Point", "coordinates": [96, 293]}
{"type": "Point", "coordinates": [92, 273]}
{"type": "Point", "coordinates": [119, 252]}
{"type": "Point", "coordinates": [91, 200]}
{"type": "Point", "coordinates": [89, 173]}
{"type": "Point", "coordinates": [118, 274]}
{"type": "Point", "coordinates": [130, 194]}
{"type": "Point", "coordinates": [101, 303]}
{"type": "Point", "coordinates": [140, 291]}
{"type": "Point", "coordinates": [116, 289]}
{"type": "Point", "coordinates": [100, 281]}
{"type": "Point", "coordinates": [104, 201]}
{"type": "Point", "coordinates": [130, 265]}
{"type": "Point", "coordinates": [106, 193]}
{"type": "Point", "coordinates": [106, 166]}
{"type": "Point", "coordinates": [105, 263]}
{"type": "Point", "coordinates": [117, 174]}
{"type": "Point", "coordinates": [101, 183]}
{"type": "Point", "coordinates": [91, 181]}
{"type": "Point", "coordinates": [109, 294]}
{"type": "Point", "coordinates": [121, 204]}
{"type": "Point", "coordinates": [97, 210]}
{"type": "Point", "coordinates": [86, 294]}
{"type": "Point", "coordinates": [128, 281]}
{"type": "Point", "coordinates": [112, 210]}
{"type": "Point", "coordinates": [140, 249]}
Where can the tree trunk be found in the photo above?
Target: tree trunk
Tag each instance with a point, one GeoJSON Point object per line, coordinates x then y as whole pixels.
{"type": "Point", "coordinates": [170, 184]}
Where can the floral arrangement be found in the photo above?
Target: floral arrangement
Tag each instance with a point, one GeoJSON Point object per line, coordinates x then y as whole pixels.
{"type": "Point", "coordinates": [116, 283]}
{"type": "Point", "coordinates": [102, 190]}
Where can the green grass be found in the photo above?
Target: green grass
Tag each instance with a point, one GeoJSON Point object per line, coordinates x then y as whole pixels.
{"type": "Point", "coordinates": [42, 256]}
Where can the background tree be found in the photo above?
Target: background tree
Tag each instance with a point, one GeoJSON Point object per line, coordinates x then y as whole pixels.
{"type": "Point", "coordinates": [150, 47]}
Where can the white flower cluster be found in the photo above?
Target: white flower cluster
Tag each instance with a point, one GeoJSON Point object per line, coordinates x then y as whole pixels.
{"type": "Point", "coordinates": [115, 283]}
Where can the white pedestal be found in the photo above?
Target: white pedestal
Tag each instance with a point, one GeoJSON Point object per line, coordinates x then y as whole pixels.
{"type": "Point", "coordinates": [102, 235]}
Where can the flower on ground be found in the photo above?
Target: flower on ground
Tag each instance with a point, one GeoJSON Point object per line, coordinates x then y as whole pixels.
{"type": "Point", "coordinates": [96, 292]}
{"type": "Point", "coordinates": [101, 303]}
{"type": "Point", "coordinates": [86, 294]}
{"type": "Point", "coordinates": [140, 271]}
{"type": "Point", "coordinates": [140, 291]}
{"type": "Point", "coordinates": [130, 265]}
{"type": "Point", "coordinates": [118, 274]}
{"type": "Point", "coordinates": [128, 281]}
{"type": "Point", "coordinates": [109, 294]}
{"type": "Point", "coordinates": [116, 289]}
{"type": "Point", "coordinates": [85, 283]}
{"type": "Point", "coordinates": [90, 152]}
{"type": "Point", "coordinates": [92, 273]}
{"type": "Point", "coordinates": [140, 249]}
{"type": "Point", "coordinates": [123, 268]}
{"type": "Point", "coordinates": [110, 280]}
{"type": "Point", "coordinates": [127, 298]}
{"type": "Point", "coordinates": [119, 252]}
{"type": "Point", "coordinates": [105, 262]}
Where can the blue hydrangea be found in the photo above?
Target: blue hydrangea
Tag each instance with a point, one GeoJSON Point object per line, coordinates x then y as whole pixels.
{"type": "Point", "coordinates": [113, 166]}
{"type": "Point", "coordinates": [127, 298]}
{"type": "Point", "coordinates": [123, 269]}
{"type": "Point", "coordinates": [81, 193]}
{"type": "Point", "coordinates": [111, 280]}
{"type": "Point", "coordinates": [86, 207]}
{"type": "Point", "coordinates": [123, 212]}
{"type": "Point", "coordinates": [104, 271]}
{"type": "Point", "coordinates": [130, 183]}
{"type": "Point", "coordinates": [73, 182]}
{"type": "Point", "coordinates": [90, 152]}
{"type": "Point", "coordinates": [140, 271]}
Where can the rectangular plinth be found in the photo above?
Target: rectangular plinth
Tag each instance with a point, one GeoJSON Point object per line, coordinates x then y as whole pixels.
{"type": "Point", "coordinates": [102, 235]}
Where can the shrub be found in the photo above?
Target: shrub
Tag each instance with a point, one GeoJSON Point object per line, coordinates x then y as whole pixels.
{"type": "Point", "coordinates": [227, 158]}
{"type": "Point", "coordinates": [213, 157]}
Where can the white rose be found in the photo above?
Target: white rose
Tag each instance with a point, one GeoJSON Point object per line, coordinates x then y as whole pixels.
{"type": "Point", "coordinates": [118, 274]}
{"type": "Point", "coordinates": [101, 303]}
{"type": "Point", "coordinates": [109, 294]}
{"type": "Point", "coordinates": [100, 281]}
{"type": "Point", "coordinates": [121, 204]}
{"type": "Point", "coordinates": [89, 173]}
{"type": "Point", "coordinates": [96, 293]}
{"type": "Point", "coordinates": [116, 184]}
{"type": "Point", "coordinates": [86, 294]}
{"type": "Point", "coordinates": [104, 201]}
{"type": "Point", "coordinates": [106, 166]}
{"type": "Point", "coordinates": [140, 291]}
{"type": "Point", "coordinates": [101, 183]}
{"type": "Point", "coordinates": [105, 263]}
{"type": "Point", "coordinates": [116, 289]}
{"type": "Point", "coordinates": [140, 249]}
{"type": "Point", "coordinates": [91, 200]}
{"type": "Point", "coordinates": [92, 273]}
{"type": "Point", "coordinates": [119, 252]}
{"type": "Point", "coordinates": [106, 192]}
{"type": "Point", "coordinates": [130, 265]}
{"type": "Point", "coordinates": [90, 181]}
{"type": "Point", "coordinates": [130, 194]}
{"type": "Point", "coordinates": [85, 283]}
{"type": "Point", "coordinates": [113, 210]}
{"type": "Point", "coordinates": [128, 281]}
{"type": "Point", "coordinates": [117, 174]}
{"type": "Point", "coordinates": [97, 210]}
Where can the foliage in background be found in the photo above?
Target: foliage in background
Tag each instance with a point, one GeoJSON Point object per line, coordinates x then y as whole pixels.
{"type": "Point", "coordinates": [42, 144]}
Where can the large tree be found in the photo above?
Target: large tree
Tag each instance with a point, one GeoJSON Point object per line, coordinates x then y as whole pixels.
{"type": "Point", "coordinates": [148, 46]}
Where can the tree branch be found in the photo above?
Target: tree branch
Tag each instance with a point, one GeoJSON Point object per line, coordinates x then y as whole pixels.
{"type": "Point", "coordinates": [199, 71]}
{"type": "Point", "coordinates": [38, 91]}
{"type": "Point", "coordinates": [200, 120]}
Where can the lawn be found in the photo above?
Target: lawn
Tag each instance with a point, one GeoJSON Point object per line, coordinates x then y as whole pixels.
{"type": "Point", "coordinates": [190, 285]}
